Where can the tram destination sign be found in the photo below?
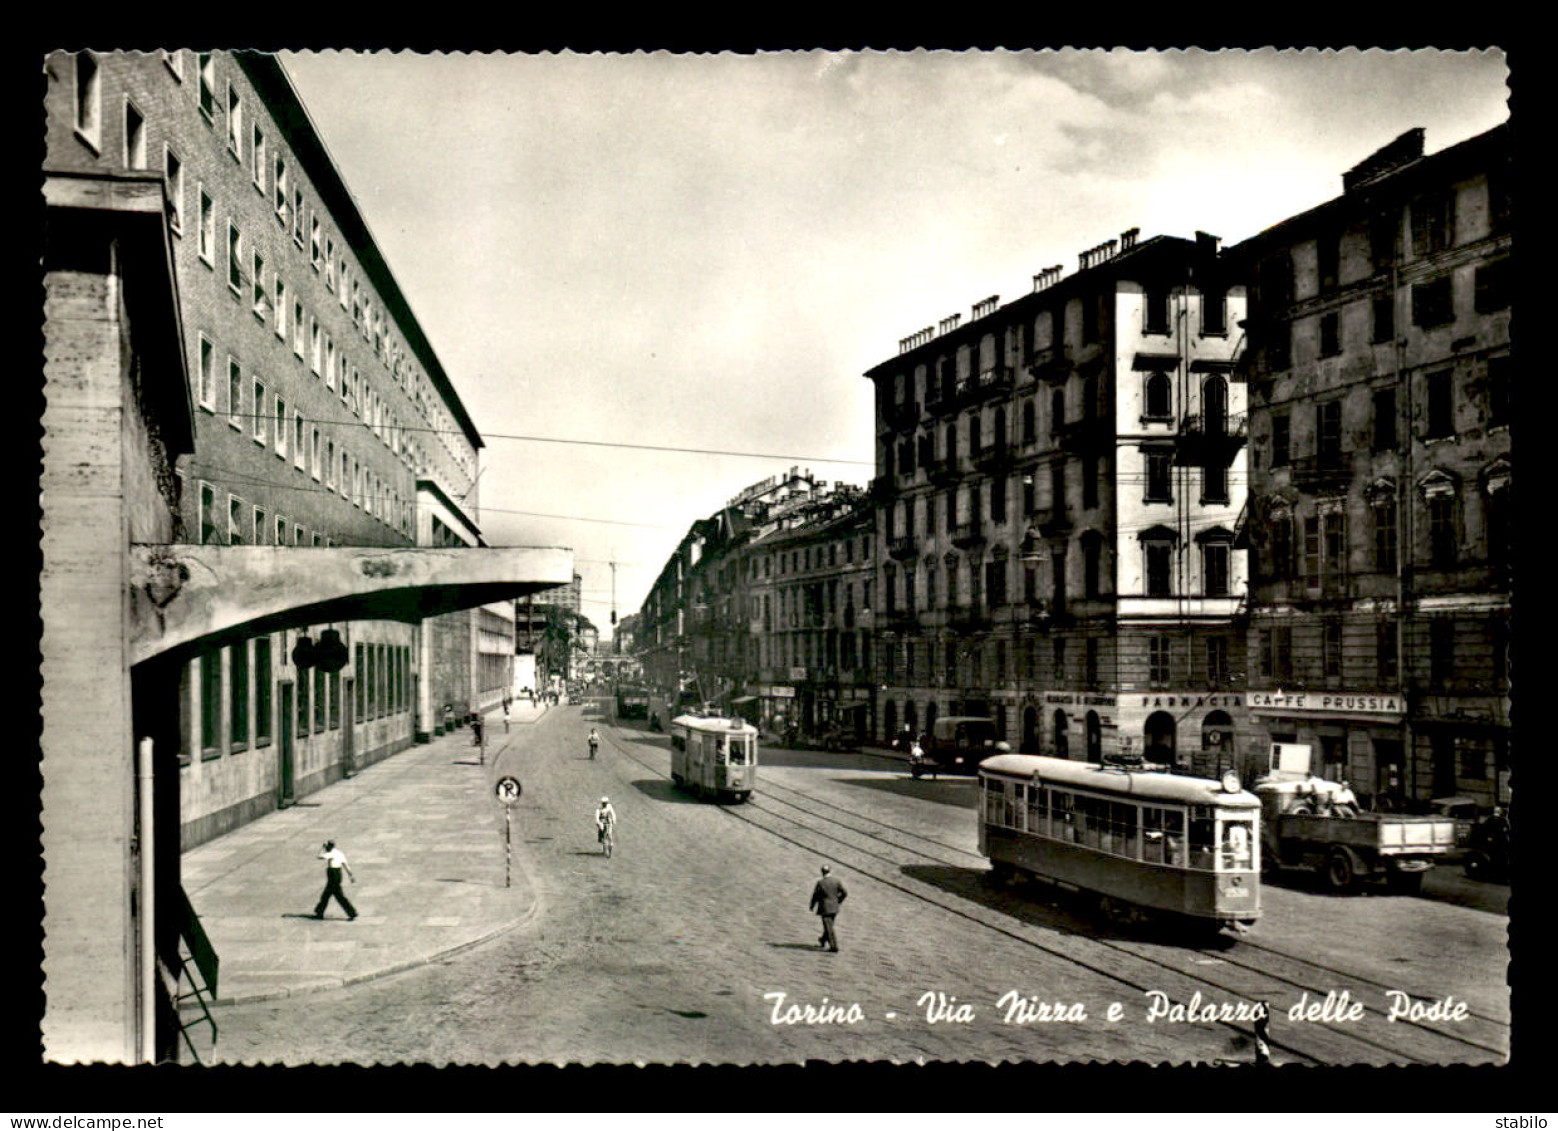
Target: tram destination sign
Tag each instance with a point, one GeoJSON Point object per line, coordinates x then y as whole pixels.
{"type": "Point", "coordinates": [1371, 704]}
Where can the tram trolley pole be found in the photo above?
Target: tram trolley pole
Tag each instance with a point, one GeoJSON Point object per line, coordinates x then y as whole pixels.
{"type": "Point", "coordinates": [508, 790]}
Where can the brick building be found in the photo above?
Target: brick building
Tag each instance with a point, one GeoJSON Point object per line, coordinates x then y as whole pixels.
{"type": "Point", "coordinates": [322, 415]}
{"type": "Point", "coordinates": [1058, 485]}
{"type": "Point", "coordinates": [1380, 374]}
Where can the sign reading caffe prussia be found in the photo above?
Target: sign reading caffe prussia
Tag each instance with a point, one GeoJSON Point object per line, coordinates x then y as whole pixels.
{"type": "Point", "coordinates": [1327, 703]}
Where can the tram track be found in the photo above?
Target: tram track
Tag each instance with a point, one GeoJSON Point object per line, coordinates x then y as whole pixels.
{"type": "Point", "coordinates": [1326, 1044]}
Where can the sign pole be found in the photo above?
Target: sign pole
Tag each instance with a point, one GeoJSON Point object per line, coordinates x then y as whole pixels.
{"type": "Point", "coordinates": [508, 790]}
{"type": "Point", "coordinates": [508, 821]}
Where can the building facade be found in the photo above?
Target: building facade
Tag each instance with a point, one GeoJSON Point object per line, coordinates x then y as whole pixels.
{"type": "Point", "coordinates": [1380, 379]}
{"type": "Point", "coordinates": [1058, 486]}
{"type": "Point", "coordinates": [318, 404]}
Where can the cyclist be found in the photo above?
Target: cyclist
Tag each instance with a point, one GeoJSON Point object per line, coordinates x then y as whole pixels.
{"type": "Point", "coordinates": [605, 825]}
{"type": "Point", "coordinates": [594, 743]}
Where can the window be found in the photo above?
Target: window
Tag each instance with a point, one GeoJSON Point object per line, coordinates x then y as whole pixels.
{"type": "Point", "coordinates": [1217, 661]}
{"type": "Point", "coordinates": [206, 65]}
{"type": "Point", "coordinates": [1385, 651]}
{"type": "Point", "coordinates": [1500, 390]}
{"type": "Point", "coordinates": [259, 417]}
{"type": "Point", "coordinates": [297, 217]}
{"type": "Point", "coordinates": [1158, 661]}
{"type": "Point", "coordinates": [1492, 286]}
{"type": "Point", "coordinates": [998, 499]}
{"type": "Point", "coordinates": [207, 228]}
{"type": "Point", "coordinates": [329, 463]}
{"type": "Point", "coordinates": [1383, 513]}
{"type": "Point", "coordinates": [1330, 334]}
{"type": "Point", "coordinates": [1282, 547]}
{"type": "Point", "coordinates": [299, 440]}
{"type": "Point", "coordinates": [1276, 282]}
{"type": "Point", "coordinates": [1159, 397]}
{"type": "Point", "coordinates": [1156, 308]}
{"type": "Point", "coordinates": [261, 526]}
{"type": "Point", "coordinates": [316, 353]}
{"type": "Point", "coordinates": [1090, 661]}
{"type": "Point", "coordinates": [283, 214]}
{"type": "Point", "coordinates": [299, 330]}
{"type": "Point", "coordinates": [1159, 489]}
{"type": "Point", "coordinates": [281, 308]}
{"type": "Point", "coordinates": [235, 521]}
{"type": "Point", "coordinates": [1159, 568]}
{"type": "Point", "coordinates": [261, 298]}
{"type": "Point", "coordinates": [1382, 239]}
{"type": "Point", "coordinates": [1441, 651]}
{"type": "Point", "coordinates": [209, 530]}
{"type": "Point", "coordinates": [234, 394]}
{"type": "Point", "coordinates": [238, 696]}
{"type": "Point", "coordinates": [1089, 480]}
{"type": "Point", "coordinates": [1432, 303]}
{"type": "Point", "coordinates": [329, 362]}
{"type": "Point", "coordinates": [210, 703]}
{"type": "Point", "coordinates": [1328, 434]}
{"type": "Point", "coordinates": [1276, 653]}
{"type": "Point", "coordinates": [261, 159]}
{"type": "Point", "coordinates": [234, 258]}
{"type": "Point", "coordinates": [1029, 422]}
{"type": "Point", "coordinates": [1443, 539]}
{"type": "Point", "coordinates": [313, 454]}
{"type": "Point", "coordinates": [134, 137]}
{"type": "Point", "coordinates": [1092, 566]}
{"type": "Point", "coordinates": [329, 264]}
{"type": "Point", "coordinates": [1281, 439]}
{"type": "Point", "coordinates": [173, 174]}
{"type": "Point", "coordinates": [262, 691]}
{"type": "Point", "coordinates": [207, 374]}
{"type": "Point", "coordinates": [1214, 313]}
{"type": "Point", "coordinates": [302, 705]}
{"type": "Point", "coordinates": [281, 428]}
{"type": "Point", "coordinates": [1215, 564]}
{"type": "Point", "coordinates": [1214, 483]}
{"type": "Point", "coordinates": [89, 99]}
{"type": "Point", "coordinates": [1327, 259]}
{"type": "Point", "coordinates": [995, 583]}
{"type": "Point", "coordinates": [315, 244]}
{"type": "Point", "coordinates": [1331, 650]}
{"type": "Point", "coordinates": [321, 696]}
{"type": "Point", "coordinates": [1433, 222]}
{"type": "Point", "coordinates": [1279, 350]}
{"type": "Point", "coordinates": [1440, 409]}
{"type": "Point", "coordinates": [1384, 420]}
{"type": "Point", "coordinates": [234, 123]}
{"type": "Point", "coordinates": [1384, 308]}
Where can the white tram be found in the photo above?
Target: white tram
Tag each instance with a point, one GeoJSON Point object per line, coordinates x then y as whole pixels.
{"type": "Point", "coordinates": [714, 756]}
{"type": "Point", "coordinates": [1140, 840]}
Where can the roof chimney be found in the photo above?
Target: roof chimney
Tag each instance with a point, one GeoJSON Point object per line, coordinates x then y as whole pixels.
{"type": "Point", "coordinates": [1387, 159]}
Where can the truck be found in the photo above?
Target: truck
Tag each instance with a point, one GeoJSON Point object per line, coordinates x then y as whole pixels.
{"type": "Point", "coordinates": [1309, 822]}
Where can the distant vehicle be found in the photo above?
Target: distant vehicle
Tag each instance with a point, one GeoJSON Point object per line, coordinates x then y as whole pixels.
{"type": "Point", "coordinates": [632, 702]}
{"type": "Point", "coordinates": [1488, 853]}
{"type": "Point", "coordinates": [1464, 812]}
{"type": "Point", "coordinates": [957, 744]}
{"type": "Point", "coordinates": [1314, 823]}
{"type": "Point", "coordinates": [714, 756]}
{"type": "Point", "coordinates": [1145, 843]}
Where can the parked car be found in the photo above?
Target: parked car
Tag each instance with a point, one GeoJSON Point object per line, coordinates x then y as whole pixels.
{"type": "Point", "coordinates": [958, 743]}
{"type": "Point", "coordinates": [1464, 812]}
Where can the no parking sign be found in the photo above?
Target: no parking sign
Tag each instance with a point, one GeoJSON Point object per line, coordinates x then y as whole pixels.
{"type": "Point", "coordinates": [508, 790]}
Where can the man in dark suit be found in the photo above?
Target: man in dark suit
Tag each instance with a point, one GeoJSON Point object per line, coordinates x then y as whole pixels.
{"type": "Point", "coordinates": [825, 900]}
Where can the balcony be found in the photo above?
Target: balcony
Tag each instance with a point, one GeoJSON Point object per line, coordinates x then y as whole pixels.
{"type": "Point", "coordinates": [902, 547]}
{"type": "Point", "coordinates": [1085, 435]}
{"type": "Point", "coordinates": [1051, 522]}
{"type": "Point", "coordinates": [969, 618]}
{"type": "Point", "coordinates": [881, 489]}
{"type": "Point", "coordinates": [942, 472]}
{"type": "Point", "coordinates": [903, 415]}
{"type": "Point", "coordinates": [994, 458]}
{"type": "Point", "coordinates": [967, 535]}
{"type": "Point", "coordinates": [1209, 443]}
{"type": "Point", "coordinates": [1053, 364]}
{"type": "Point", "coordinates": [1316, 475]}
{"type": "Point", "coordinates": [980, 386]}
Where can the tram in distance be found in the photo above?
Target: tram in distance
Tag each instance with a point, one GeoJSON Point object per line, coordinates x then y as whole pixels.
{"type": "Point", "coordinates": [632, 702]}
{"type": "Point", "coordinates": [1146, 843]}
{"type": "Point", "coordinates": [714, 756]}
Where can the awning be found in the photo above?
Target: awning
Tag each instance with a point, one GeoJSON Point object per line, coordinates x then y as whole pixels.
{"type": "Point", "coordinates": [744, 699]}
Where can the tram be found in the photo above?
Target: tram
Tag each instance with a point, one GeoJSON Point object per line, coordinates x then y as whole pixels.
{"type": "Point", "coordinates": [1144, 842]}
{"type": "Point", "coordinates": [632, 702]}
{"type": "Point", "coordinates": [714, 756]}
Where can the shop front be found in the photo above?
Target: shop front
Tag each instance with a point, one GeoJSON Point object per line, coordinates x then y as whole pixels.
{"type": "Point", "coordinates": [1194, 731]}
{"type": "Point", "coordinates": [1356, 737]}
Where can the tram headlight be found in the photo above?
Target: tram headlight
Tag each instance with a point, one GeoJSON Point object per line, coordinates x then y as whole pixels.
{"type": "Point", "coordinates": [1231, 781]}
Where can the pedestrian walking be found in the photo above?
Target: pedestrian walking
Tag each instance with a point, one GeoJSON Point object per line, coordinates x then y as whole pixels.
{"type": "Point", "coordinates": [825, 900]}
{"type": "Point", "coordinates": [335, 864]}
{"type": "Point", "coordinates": [448, 718]}
{"type": "Point", "coordinates": [1263, 1039]}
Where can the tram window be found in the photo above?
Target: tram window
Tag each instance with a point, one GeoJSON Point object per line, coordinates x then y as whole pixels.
{"type": "Point", "coordinates": [1122, 816]}
{"type": "Point", "coordinates": [1017, 811]}
{"type": "Point", "coordinates": [1094, 821]}
{"type": "Point", "coordinates": [1237, 846]}
{"type": "Point", "coordinates": [1038, 811]}
{"type": "Point", "coordinates": [738, 752]}
{"type": "Point", "coordinates": [1201, 843]}
{"type": "Point", "coordinates": [1063, 813]}
{"type": "Point", "coordinates": [1152, 834]}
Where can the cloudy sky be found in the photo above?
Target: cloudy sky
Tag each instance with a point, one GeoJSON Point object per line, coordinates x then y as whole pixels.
{"type": "Point", "coordinates": [707, 251]}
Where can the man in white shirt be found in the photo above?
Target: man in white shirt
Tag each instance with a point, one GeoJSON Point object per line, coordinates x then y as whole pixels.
{"type": "Point", "coordinates": [335, 864]}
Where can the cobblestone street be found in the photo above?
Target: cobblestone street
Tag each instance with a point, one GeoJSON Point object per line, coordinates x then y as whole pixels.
{"type": "Point", "coordinates": [673, 950]}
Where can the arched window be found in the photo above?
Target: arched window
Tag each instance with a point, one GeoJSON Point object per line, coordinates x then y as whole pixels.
{"type": "Point", "coordinates": [952, 445]}
{"type": "Point", "coordinates": [1030, 730]}
{"type": "Point", "coordinates": [998, 435]}
{"type": "Point", "coordinates": [1062, 744]}
{"type": "Point", "coordinates": [974, 442]}
{"type": "Point", "coordinates": [1029, 422]}
{"type": "Point", "coordinates": [1217, 732]}
{"type": "Point", "coordinates": [1095, 738]}
{"type": "Point", "coordinates": [1214, 403]}
{"type": "Point", "coordinates": [890, 720]}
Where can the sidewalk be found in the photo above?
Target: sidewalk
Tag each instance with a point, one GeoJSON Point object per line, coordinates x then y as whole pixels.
{"type": "Point", "coordinates": [424, 835]}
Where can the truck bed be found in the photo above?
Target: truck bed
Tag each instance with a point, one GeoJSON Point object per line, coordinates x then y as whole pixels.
{"type": "Point", "coordinates": [1388, 833]}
